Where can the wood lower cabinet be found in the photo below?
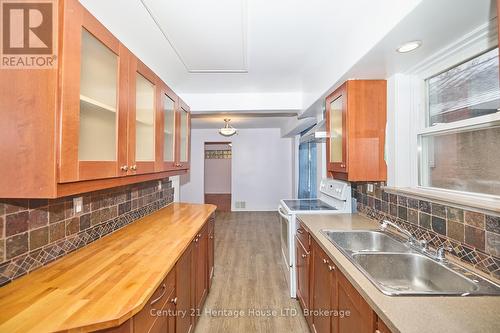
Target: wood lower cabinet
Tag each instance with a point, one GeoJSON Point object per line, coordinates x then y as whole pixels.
{"type": "Point", "coordinates": [185, 291]}
{"type": "Point", "coordinates": [178, 301]}
{"type": "Point", "coordinates": [361, 317]}
{"type": "Point", "coordinates": [211, 251]}
{"type": "Point", "coordinates": [303, 272]}
{"type": "Point", "coordinates": [333, 303]}
{"type": "Point", "coordinates": [324, 294]}
{"type": "Point", "coordinates": [355, 122]}
{"type": "Point", "coordinates": [200, 260]}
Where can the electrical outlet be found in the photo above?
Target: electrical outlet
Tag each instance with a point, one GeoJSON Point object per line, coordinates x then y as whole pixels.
{"type": "Point", "coordinates": [159, 185]}
{"type": "Point", "coordinates": [369, 188]}
{"type": "Point", "coordinates": [78, 204]}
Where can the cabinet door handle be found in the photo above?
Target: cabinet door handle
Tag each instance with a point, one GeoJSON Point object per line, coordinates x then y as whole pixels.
{"type": "Point", "coordinates": [300, 231]}
{"type": "Point", "coordinates": [325, 261]}
{"type": "Point", "coordinates": [196, 240]}
{"type": "Point", "coordinates": [164, 287]}
{"type": "Point", "coordinates": [211, 237]}
{"type": "Point", "coordinates": [174, 301]}
{"type": "Point", "coordinates": [133, 167]}
{"type": "Point", "coordinates": [124, 168]}
{"type": "Point", "coordinates": [304, 255]}
{"type": "Point", "coordinates": [331, 268]}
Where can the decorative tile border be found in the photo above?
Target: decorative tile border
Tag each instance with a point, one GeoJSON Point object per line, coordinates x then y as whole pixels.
{"type": "Point", "coordinates": [473, 236]}
{"type": "Point", "coordinates": [59, 232]}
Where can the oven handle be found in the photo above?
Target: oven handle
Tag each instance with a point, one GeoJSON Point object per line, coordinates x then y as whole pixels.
{"type": "Point", "coordinates": [285, 216]}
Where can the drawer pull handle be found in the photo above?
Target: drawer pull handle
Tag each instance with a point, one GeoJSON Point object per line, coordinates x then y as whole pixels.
{"type": "Point", "coordinates": [331, 268]}
{"type": "Point", "coordinates": [174, 301]}
{"type": "Point", "coordinates": [300, 231]}
{"type": "Point", "coordinates": [164, 287]}
{"type": "Point", "coordinates": [325, 261]}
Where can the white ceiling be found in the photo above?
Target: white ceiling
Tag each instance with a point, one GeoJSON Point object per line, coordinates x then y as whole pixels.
{"type": "Point", "coordinates": [289, 46]}
{"type": "Point", "coordinates": [208, 36]}
{"type": "Point", "coordinates": [285, 54]}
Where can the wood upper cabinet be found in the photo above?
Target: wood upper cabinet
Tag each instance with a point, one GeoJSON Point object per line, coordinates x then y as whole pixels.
{"type": "Point", "coordinates": [94, 99]}
{"type": "Point", "coordinates": [143, 127]}
{"type": "Point", "coordinates": [355, 121]}
{"type": "Point", "coordinates": [323, 292]}
{"type": "Point", "coordinates": [184, 136]}
{"type": "Point", "coordinates": [167, 141]}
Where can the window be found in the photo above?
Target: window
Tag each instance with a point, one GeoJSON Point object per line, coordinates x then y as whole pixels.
{"type": "Point", "coordinates": [459, 146]}
{"type": "Point", "coordinates": [307, 169]}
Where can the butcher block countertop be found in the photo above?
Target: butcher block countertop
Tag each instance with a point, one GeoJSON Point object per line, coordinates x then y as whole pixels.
{"type": "Point", "coordinates": [407, 314]}
{"type": "Point", "coordinates": [105, 283]}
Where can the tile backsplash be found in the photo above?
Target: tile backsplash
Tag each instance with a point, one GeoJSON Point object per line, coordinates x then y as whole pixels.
{"type": "Point", "coordinates": [35, 232]}
{"type": "Point", "coordinates": [474, 236]}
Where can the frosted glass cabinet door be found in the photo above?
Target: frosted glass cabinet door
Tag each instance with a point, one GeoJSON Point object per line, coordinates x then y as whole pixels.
{"type": "Point", "coordinates": [168, 130]}
{"type": "Point", "coordinates": [184, 137]}
{"type": "Point", "coordinates": [336, 131]}
{"type": "Point", "coordinates": [98, 101]}
{"type": "Point", "coordinates": [144, 120]}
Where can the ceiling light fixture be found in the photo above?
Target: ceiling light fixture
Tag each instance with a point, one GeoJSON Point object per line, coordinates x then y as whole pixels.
{"type": "Point", "coordinates": [410, 46]}
{"type": "Point", "coordinates": [227, 130]}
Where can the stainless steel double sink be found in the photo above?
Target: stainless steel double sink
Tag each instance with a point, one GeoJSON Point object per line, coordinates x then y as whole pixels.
{"type": "Point", "coordinates": [397, 268]}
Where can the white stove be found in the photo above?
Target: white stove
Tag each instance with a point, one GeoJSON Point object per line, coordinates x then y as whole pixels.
{"type": "Point", "coordinates": [334, 198]}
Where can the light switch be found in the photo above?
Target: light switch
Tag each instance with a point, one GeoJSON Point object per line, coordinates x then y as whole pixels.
{"type": "Point", "coordinates": [78, 204]}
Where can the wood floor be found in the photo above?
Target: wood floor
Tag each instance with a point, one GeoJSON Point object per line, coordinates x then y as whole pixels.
{"type": "Point", "coordinates": [249, 277]}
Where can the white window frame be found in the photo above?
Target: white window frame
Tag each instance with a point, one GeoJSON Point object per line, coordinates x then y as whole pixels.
{"type": "Point", "coordinates": [411, 92]}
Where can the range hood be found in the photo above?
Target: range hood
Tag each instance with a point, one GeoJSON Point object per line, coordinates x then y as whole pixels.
{"type": "Point", "coordinates": [317, 134]}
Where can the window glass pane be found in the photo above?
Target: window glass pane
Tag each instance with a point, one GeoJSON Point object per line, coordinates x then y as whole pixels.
{"type": "Point", "coordinates": [465, 91]}
{"type": "Point", "coordinates": [168, 128]}
{"type": "Point", "coordinates": [466, 160]}
{"type": "Point", "coordinates": [144, 119]}
{"type": "Point", "coordinates": [98, 91]}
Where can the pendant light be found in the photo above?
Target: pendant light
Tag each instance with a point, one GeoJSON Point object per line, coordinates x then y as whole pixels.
{"type": "Point", "coordinates": [227, 130]}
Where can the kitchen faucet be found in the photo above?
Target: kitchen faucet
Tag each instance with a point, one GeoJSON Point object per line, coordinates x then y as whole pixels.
{"type": "Point", "coordinates": [411, 239]}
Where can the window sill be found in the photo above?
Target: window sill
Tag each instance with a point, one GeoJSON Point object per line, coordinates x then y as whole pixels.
{"type": "Point", "coordinates": [484, 203]}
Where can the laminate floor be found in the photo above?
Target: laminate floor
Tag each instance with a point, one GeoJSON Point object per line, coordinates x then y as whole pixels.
{"type": "Point", "coordinates": [249, 292]}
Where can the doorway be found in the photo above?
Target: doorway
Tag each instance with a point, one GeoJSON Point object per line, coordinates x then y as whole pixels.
{"type": "Point", "coordinates": [218, 158]}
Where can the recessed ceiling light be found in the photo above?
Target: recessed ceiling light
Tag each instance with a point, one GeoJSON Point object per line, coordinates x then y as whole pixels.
{"type": "Point", "coordinates": [410, 46]}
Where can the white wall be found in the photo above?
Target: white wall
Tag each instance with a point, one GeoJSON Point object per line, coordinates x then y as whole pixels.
{"type": "Point", "coordinates": [261, 167]}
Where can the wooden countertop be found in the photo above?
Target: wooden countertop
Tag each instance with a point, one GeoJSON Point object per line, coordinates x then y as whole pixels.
{"type": "Point", "coordinates": [407, 314]}
{"type": "Point", "coordinates": [105, 283]}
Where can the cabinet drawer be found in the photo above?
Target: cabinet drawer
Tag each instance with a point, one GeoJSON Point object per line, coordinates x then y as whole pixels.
{"type": "Point", "coordinates": [303, 236]}
{"type": "Point", "coordinates": [144, 320]}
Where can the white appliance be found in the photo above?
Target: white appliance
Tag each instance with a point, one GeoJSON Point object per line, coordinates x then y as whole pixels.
{"type": "Point", "coordinates": [334, 198]}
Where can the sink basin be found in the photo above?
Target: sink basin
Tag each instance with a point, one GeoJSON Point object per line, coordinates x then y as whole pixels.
{"type": "Point", "coordinates": [398, 269]}
{"type": "Point", "coordinates": [412, 273]}
{"type": "Point", "coordinates": [365, 240]}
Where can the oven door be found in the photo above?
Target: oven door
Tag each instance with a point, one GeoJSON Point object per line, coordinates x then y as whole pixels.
{"type": "Point", "coordinates": [285, 225]}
